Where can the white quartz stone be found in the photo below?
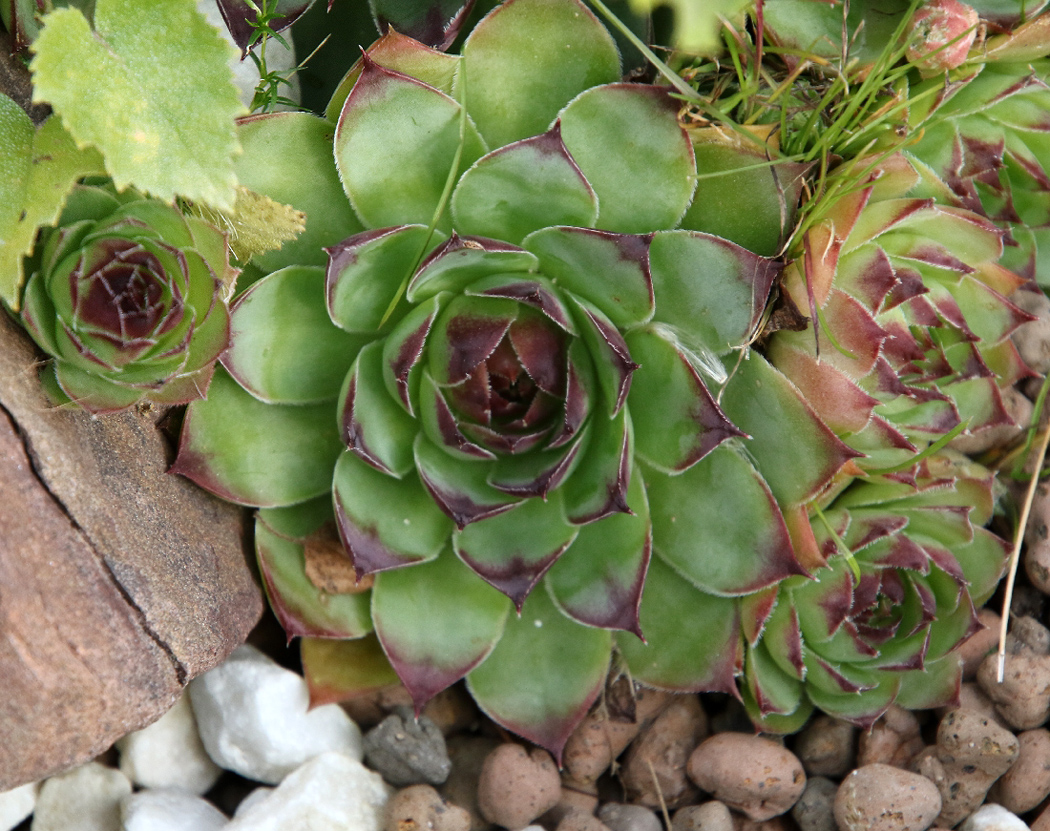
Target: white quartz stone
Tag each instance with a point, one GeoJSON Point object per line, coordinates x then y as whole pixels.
{"type": "Point", "coordinates": [331, 792]}
{"type": "Point", "coordinates": [992, 817]}
{"type": "Point", "coordinates": [253, 718]}
{"type": "Point", "coordinates": [170, 809]}
{"type": "Point", "coordinates": [17, 804]}
{"type": "Point", "coordinates": [169, 753]}
{"type": "Point", "coordinates": [86, 798]}
{"type": "Point", "coordinates": [249, 802]}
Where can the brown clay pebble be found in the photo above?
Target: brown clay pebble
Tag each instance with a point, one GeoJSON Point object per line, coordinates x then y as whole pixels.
{"type": "Point", "coordinates": [751, 774]}
{"type": "Point", "coordinates": [974, 650]}
{"type": "Point", "coordinates": [815, 809]}
{"type": "Point", "coordinates": [516, 786]}
{"type": "Point", "coordinates": [710, 816]}
{"type": "Point", "coordinates": [1023, 699]}
{"type": "Point", "coordinates": [628, 817]}
{"type": "Point", "coordinates": [826, 746]}
{"type": "Point", "coordinates": [421, 808]}
{"type": "Point", "coordinates": [653, 770]}
{"type": "Point", "coordinates": [581, 821]}
{"type": "Point", "coordinates": [893, 740]}
{"type": "Point", "coordinates": [884, 798]}
{"type": "Point", "coordinates": [1027, 782]}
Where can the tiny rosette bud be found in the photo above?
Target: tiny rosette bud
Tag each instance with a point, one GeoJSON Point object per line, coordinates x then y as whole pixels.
{"type": "Point", "coordinates": [940, 35]}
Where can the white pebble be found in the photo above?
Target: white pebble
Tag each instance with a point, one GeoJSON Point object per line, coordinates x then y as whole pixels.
{"type": "Point", "coordinates": [250, 801]}
{"type": "Point", "coordinates": [169, 753]}
{"type": "Point", "coordinates": [17, 804]}
{"type": "Point", "coordinates": [253, 718]}
{"type": "Point", "coordinates": [169, 809]}
{"type": "Point", "coordinates": [86, 798]}
{"type": "Point", "coordinates": [992, 817]}
{"type": "Point", "coordinates": [331, 792]}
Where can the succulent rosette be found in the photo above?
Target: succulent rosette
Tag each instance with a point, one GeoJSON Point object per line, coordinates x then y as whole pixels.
{"type": "Point", "coordinates": [499, 410]}
{"type": "Point", "coordinates": [913, 321]}
{"type": "Point", "coordinates": [127, 296]}
{"type": "Point", "coordinates": [907, 562]}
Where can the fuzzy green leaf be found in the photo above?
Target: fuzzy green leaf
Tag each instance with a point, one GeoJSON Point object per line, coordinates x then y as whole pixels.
{"type": "Point", "coordinates": [697, 25]}
{"type": "Point", "coordinates": [543, 675]}
{"type": "Point", "coordinates": [436, 621]}
{"type": "Point", "coordinates": [151, 89]}
{"type": "Point", "coordinates": [37, 193]}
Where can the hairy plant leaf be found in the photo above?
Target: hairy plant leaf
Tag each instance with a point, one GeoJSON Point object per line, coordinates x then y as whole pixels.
{"type": "Point", "coordinates": [697, 25]}
{"type": "Point", "coordinates": [151, 89]}
{"type": "Point", "coordinates": [34, 188]}
{"type": "Point", "coordinates": [256, 224]}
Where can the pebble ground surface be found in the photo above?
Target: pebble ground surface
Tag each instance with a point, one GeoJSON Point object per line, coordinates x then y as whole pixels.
{"type": "Point", "coordinates": [243, 751]}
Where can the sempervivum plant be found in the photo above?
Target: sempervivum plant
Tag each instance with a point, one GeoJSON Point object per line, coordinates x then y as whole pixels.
{"type": "Point", "coordinates": [128, 297]}
{"type": "Point", "coordinates": [513, 429]}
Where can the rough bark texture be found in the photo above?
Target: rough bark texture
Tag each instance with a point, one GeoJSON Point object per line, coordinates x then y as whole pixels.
{"type": "Point", "coordinates": [118, 582]}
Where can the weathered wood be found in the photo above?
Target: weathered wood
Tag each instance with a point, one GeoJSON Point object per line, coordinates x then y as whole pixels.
{"type": "Point", "coordinates": [118, 581]}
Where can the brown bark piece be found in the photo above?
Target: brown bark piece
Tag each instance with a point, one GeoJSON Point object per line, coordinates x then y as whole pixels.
{"type": "Point", "coordinates": [118, 582]}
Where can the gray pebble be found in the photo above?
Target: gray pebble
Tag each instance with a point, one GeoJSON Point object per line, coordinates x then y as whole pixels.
{"type": "Point", "coordinates": [815, 809]}
{"type": "Point", "coordinates": [406, 751]}
{"type": "Point", "coordinates": [620, 817]}
{"type": "Point", "coordinates": [710, 816]}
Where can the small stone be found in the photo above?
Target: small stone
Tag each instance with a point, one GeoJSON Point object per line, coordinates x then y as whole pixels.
{"type": "Point", "coordinates": [407, 751]}
{"type": "Point", "coordinates": [815, 809]}
{"type": "Point", "coordinates": [468, 754]}
{"type": "Point", "coordinates": [976, 648]}
{"type": "Point", "coordinates": [257, 795]}
{"type": "Point", "coordinates": [992, 817]}
{"type": "Point", "coordinates": [574, 799]}
{"type": "Point", "coordinates": [1023, 698]}
{"type": "Point", "coordinates": [169, 753]}
{"type": "Point", "coordinates": [331, 792]}
{"type": "Point", "coordinates": [620, 817]}
{"type": "Point", "coordinates": [421, 808]}
{"type": "Point", "coordinates": [516, 786]}
{"type": "Point", "coordinates": [893, 740]}
{"type": "Point", "coordinates": [601, 738]}
{"type": "Point", "coordinates": [169, 809]}
{"type": "Point", "coordinates": [972, 697]}
{"type": "Point", "coordinates": [1017, 407]}
{"type": "Point", "coordinates": [884, 798]}
{"type": "Point", "coordinates": [653, 769]}
{"type": "Point", "coordinates": [17, 804]}
{"type": "Point", "coordinates": [86, 798]}
{"type": "Point", "coordinates": [751, 774]}
{"type": "Point", "coordinates": [710, 816]}
{"type": "Point", "coordinates": [1028, 633]}
{"type": "Point", "coordinates": [580, 821]}
{"type": "Point", "coordinates": [1032, 339]}
{"type": "Point", "coordinates": [1027, 782]}
{"type": "Point", "coordinates": [826, 746]}
{"type": "Point", "coordinates": [254, 718]}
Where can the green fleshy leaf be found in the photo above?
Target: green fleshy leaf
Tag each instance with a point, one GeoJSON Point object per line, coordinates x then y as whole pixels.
{"type": "Point", "coordinates": [297, 522]}
{"type": "Point", "coordinates": [374, 137]}
{"type": "Point", "coordinates": [521, 188]}
{"type": "Point", "coordinates": [710, 291]}
{"type": "Point", "coordinates": [936, 686]}
{"type": "Point", "coordinates": [513, 550]}
{"type": "Point", "coordinates": [340, 670]}
{"type": "Point", "coordinates": [983, 562]}
{"type": "Point", "coordinates": [288, 157]}
{"type": "Point", "coordinates": [253, 453]}
{"type": "Point", "coordinates": [529, 58]}
{"type": "Point", "coordinates": [366, 272]}
{"type": "Point", "coordinates": [372, 423]}
{"type": "Point", "coordinates": [459, 486]}
{"type": "Point", "coordinates": [609, 270]}
{"type": "Point", "coordinates": [600, 481]}
{"type": "Point", "coordinates": [776, 723]}
{"type": "Point", "coordinates": [676, 420]}
{"type": "Point", "coordinates": [599, 580]}
{"type": "Point", "coordinates": [440, 425]}
{"type": "Point", "coordinates": [386, 522]}
{"type": "Point", "coordinates": [795, 452]}
{"type": "Point", "coordinates": [461, 261]}
{"type": "Point", "coordinates": [301, 607]}
{"type": "Point", "coordinates": [436, 621]}
{"type": "Point", "coordinates": [760, 223]}
{"type": "Point", "coordinates": [402, 54]}
{"type": "Point", "coordinates": [403, 351]}
{"type": "Point", "coordinates": [627, 141]}
{"type": "Point", "coordinates": [719, 526]}
{"type": "Point", "coordinates": [860, 708]}
{"type": "Point", "coordinates": [543, 675]}
{"type": "Point", "coordinates": [16, 137]}
{"type": "Point", "coordinates": [55, 166]}
{"type": "Point", "coordinates": [95, 393]}
{"type": "Point", "coordinates": [692, 637]}
{"type": "Point", "coordinates": [106, 87]}
{"type": "Point", "coordinates": [772, 690]}
{"type": "Point", "coordinates": [284, 348]}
